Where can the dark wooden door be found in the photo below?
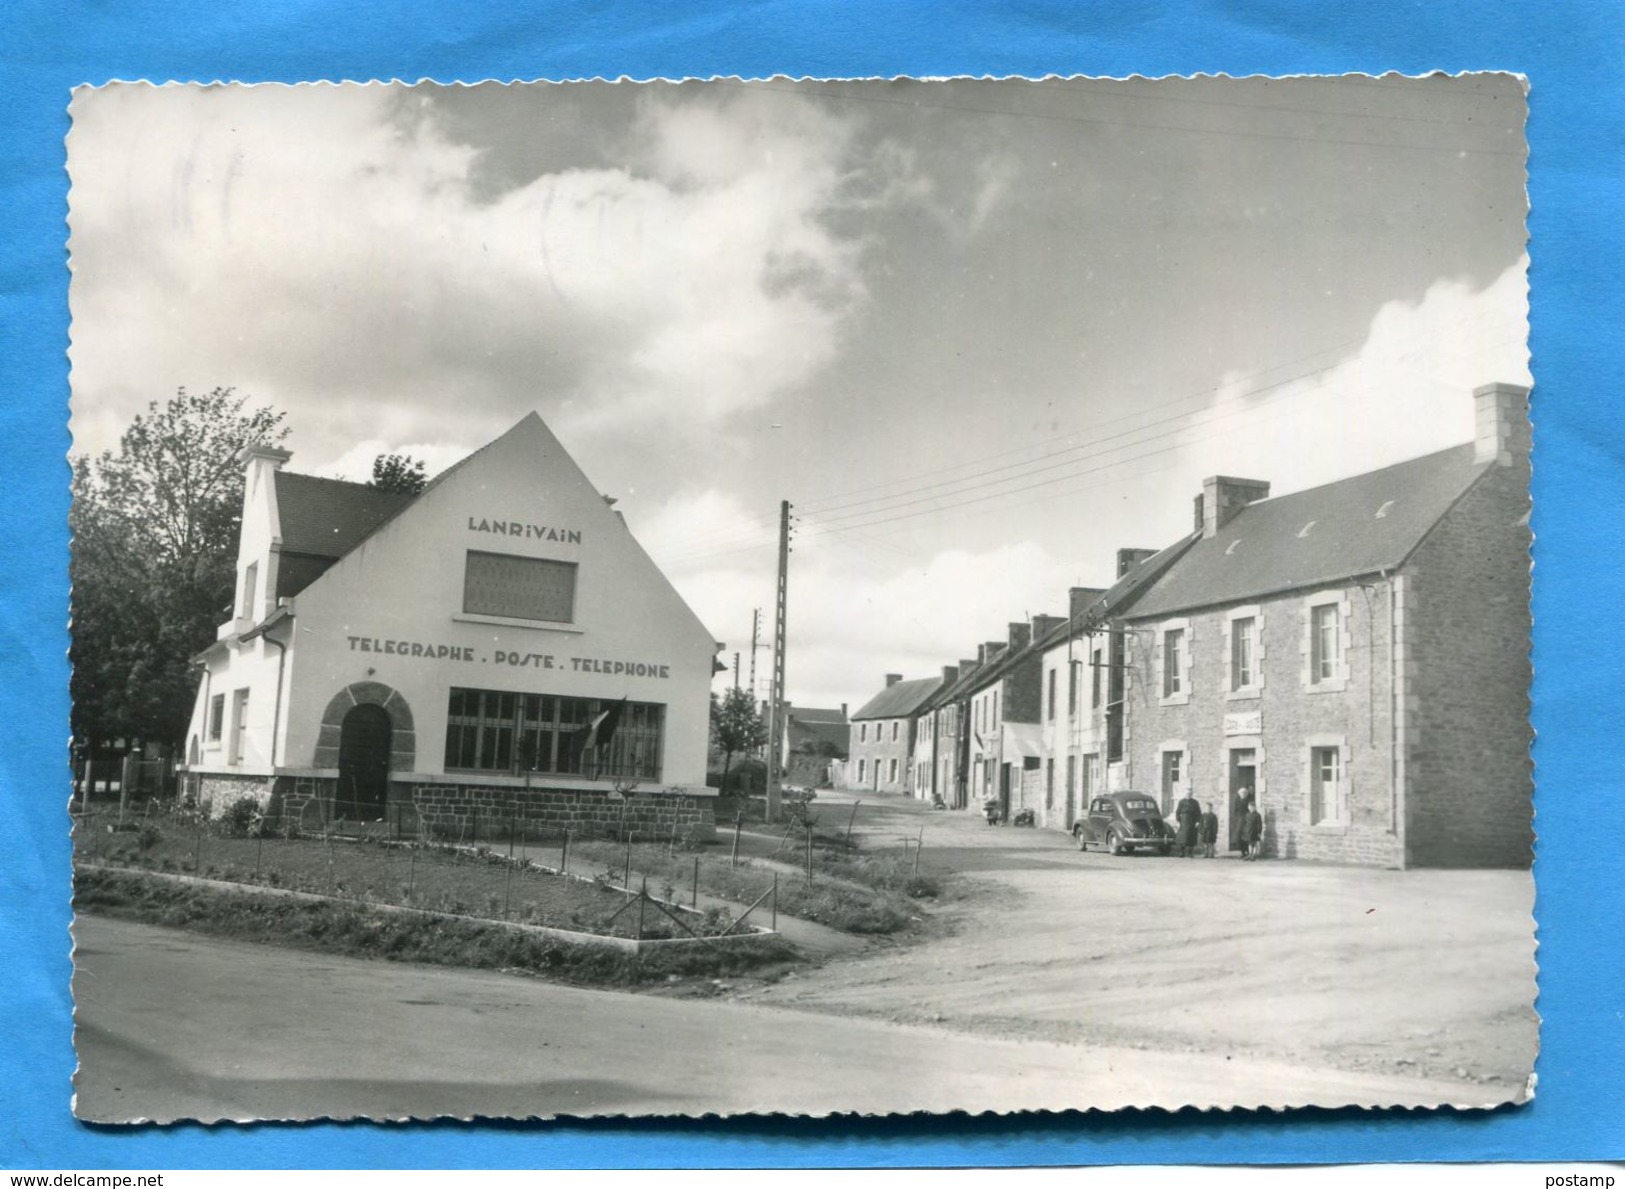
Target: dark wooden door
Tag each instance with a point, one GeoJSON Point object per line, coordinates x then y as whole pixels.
{"type": "Point", "coordinates": [364, 739]}
{"type": "Point", "coordinates": [1243, 788]}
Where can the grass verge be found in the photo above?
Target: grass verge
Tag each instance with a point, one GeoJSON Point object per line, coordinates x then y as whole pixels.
{"type": "Point", "coordinates": [862, 894]}
{"type": "Point", "coordinates": [355, 931]}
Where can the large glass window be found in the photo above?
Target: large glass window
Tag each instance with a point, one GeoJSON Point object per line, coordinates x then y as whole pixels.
{"type": "Point", "coordinates": [519, 587]}
{"type": "Point", "coordinates": [496, 731]}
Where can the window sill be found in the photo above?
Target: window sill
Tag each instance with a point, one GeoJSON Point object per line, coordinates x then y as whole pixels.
{"type": "Point", "coordinates": [538, 780]}
{"type": "Point", "coordinates": [1175, 700]}
{"type": "Point", "coordinates": [1251, 693]}
{"type": "Point", "coordinates": [1330, 828]}
{"type": "Point", "coordinates": [1330, 685]}
{"type": "Point", "coordinates": [504, 621]}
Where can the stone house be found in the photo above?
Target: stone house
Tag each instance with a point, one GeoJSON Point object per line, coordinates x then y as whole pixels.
{"type": "Point", "coordinates": [815, 742]}
{"type": "Point", "coordinates": [882, 736]}
{"type": "Point", "coordinates": [1354, 656]}
{"type": "Point", "coordinates": [1002, 740]}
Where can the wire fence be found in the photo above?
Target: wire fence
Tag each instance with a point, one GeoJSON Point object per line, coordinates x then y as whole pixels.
{"type": "Point", "coordinates": [500, 865]}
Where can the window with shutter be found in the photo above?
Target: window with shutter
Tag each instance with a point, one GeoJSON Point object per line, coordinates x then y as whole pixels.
{"type": "Point", "coordinates": [519, 587]}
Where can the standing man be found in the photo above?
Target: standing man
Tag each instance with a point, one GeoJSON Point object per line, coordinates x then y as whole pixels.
{"type": "Point", "coordinates": [1208, 831]}
{"type": "Point", "coordinates": [1188, 813]}
{"type": "Point", "coordinates": [1241, 802]}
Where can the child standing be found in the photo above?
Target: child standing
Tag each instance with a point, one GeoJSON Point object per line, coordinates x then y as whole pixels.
{"type": "Point", "coordinates": [1252, 832]}
{"type": "Point", "coordinates": [1208, 831]}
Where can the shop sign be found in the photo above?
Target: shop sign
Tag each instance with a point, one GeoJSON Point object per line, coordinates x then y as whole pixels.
{"type": "Point", "coordinates": [1249, 722]}
{"type": "Point", "coordinates": [424, 650]}
{"type": "Point", "coordinates": [523, 528]}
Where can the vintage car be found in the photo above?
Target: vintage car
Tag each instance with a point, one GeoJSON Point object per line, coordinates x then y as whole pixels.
{"type": "Point", "coordinates": [1123, 822]}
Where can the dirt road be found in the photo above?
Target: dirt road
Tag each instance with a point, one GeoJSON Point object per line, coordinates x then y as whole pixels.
{"type": "Point", "coordinates": [1426, 972]}
{"type": "Point", "coordinates": [1059, 980]}
{"type": "Point", "coordinates": [176, 1026]}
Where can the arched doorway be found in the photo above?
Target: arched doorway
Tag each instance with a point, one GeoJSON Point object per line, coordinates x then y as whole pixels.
{"type": "Point", "coordinates": [364, 740]}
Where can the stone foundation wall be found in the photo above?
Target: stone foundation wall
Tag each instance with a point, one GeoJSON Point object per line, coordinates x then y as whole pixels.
{"type": "Point", "coordinates": [215, 792]}
{"type": "Point", "coordinates": [470, 811]}
{"type": "Point", "coordinates": [462, 807]}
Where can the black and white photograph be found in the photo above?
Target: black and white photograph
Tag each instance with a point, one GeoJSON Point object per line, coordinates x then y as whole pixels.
{"type": "Point", "coordinates": [793, 596]}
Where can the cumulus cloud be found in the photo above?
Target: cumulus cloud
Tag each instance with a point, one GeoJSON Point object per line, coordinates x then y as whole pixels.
{"type": "Point", "coordinates": [327, 242]}
{"type": "Point", "coordinates": [856, 612]}
{"type": "Point", "coordinates": [1405, 392]}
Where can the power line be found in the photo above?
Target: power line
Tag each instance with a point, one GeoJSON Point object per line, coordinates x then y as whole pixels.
{"type": "Point", "coordinates": [832, 502]}
{"type": "Point", "coordinates": [980, 480]}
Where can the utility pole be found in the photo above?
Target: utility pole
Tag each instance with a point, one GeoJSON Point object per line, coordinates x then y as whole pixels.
{"type": "Point", "coordinates": [755, 638]}
{"type": "Point", "coordinates": [736, 670]}
{"type": "Point", "coordinates": [775, 702]}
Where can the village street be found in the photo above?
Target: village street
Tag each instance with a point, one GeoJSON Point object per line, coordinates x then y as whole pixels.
{"type": "Point", "coordinates": [1054, 980]}
{"type": "Point", "coordinates": [1425, 972]}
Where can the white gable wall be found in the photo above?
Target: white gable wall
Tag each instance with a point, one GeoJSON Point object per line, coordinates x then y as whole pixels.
{"type": "Point", "coordinates": [404, 585]}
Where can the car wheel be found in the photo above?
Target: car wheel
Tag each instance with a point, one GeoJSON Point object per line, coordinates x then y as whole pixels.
{"type": "Point", "coordinates": [1114, 842]}
{"type": "Point", "coordinates": [1083, 840]}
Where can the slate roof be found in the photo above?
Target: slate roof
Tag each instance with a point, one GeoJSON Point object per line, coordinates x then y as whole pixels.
{"type": "Point", "coordinates": [812, 714]}
{"type": "Point", "coordinates": [322, 520]}
{"type": "Point", "coordinates": [1355, 526]}
{"type": "Point", "coordinates": [1121, 594]}
{"type": "Point", "coordinates": [836, 732]}
{"type": "Point", "coordinates": [949, 694]}
{"type": "Point", "coordinates": [899, 700]}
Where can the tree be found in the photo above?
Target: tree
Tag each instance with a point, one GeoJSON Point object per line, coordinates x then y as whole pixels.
{"type": "Point", "coordinates": [736, 726]}
{"type": "Point", "coordinates": [153, 562]}
{"type": "Point", "coordinates": [399, 473]}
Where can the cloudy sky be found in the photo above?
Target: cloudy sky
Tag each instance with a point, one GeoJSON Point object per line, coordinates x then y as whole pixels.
{"type": "Point", "coordinates": [980, 333]}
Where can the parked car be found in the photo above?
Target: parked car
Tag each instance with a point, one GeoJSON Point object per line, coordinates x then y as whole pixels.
{"type": "Point", "coordinates": [1123, 822]}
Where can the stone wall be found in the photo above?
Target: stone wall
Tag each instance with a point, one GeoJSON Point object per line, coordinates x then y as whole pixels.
{"type": "Point", "coordinates": [651, 815]}
{"type": "Point", "coordinates": [1470, 795]}
{"type": "Point", "coordinates": [304, 802]}
{"type": "Point", "coordinates": [877, 753]}
{"type": "Point", "coordinates": [1353, 713]}
{"type": "Point", "coordinates": [215, 792]}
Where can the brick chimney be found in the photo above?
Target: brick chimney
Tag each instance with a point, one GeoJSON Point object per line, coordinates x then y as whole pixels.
{"type": "Point", "coordinates": [1223, 497]}
{"type": "Point", "coordinates": [1021, 635]}
{"type": "Point", "coordinates": [966, 666]}
{"type": "Point", "coordinates": [843, 711]}
{"type": "Point", "coordinates": [1127, 559]}
{"type": "Point", "coordinates": [950, 674]}
{"type": "Point", "coordinates": [987, 653]}
{"type": "Point", "coordinates": [1079, 599]}
{"type": "Point", "coordinates": [1044, 624]}
{"type": "Point", "coordinates": [1501, 423]}
{"type": "Point", "coordinates": [892, 679]}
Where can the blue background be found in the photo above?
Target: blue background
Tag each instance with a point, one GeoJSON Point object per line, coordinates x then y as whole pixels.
{"type": "Point", "coordinates": [1571, 51]}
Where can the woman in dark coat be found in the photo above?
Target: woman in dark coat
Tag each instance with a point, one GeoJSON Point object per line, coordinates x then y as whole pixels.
{"type": "Point", "coordinates": [1188, 813]}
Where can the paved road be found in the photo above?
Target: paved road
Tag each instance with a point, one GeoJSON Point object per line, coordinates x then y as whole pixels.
{"type": "Point", "coordinates": [176, 1026]}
